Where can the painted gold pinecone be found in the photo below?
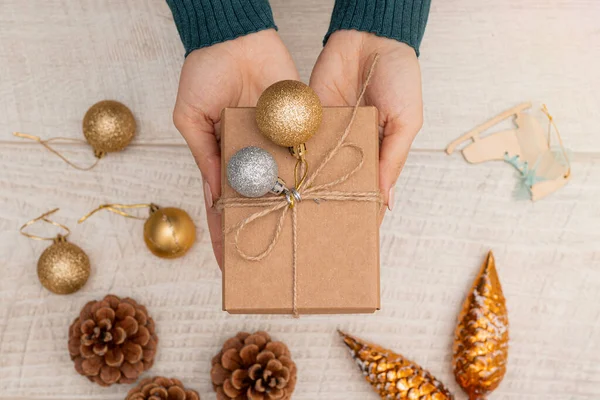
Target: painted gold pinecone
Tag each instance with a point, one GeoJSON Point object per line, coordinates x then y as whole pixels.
{"type": "Point", "coordinates": [252, 367]}
{"type": "Point", "coordinates": [160, 388]}
{"type": "Point", "coordinates": [393, 376]}
{"type": "Point", "coordinates": [482, 337]}
{"type": "Point", "coordinates": [112, 341]}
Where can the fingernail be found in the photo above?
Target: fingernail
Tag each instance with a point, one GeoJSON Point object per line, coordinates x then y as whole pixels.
{"type": "Point", "coordinates": [391, 199]}
{"type": "Point", "coordinates": [208, 197]}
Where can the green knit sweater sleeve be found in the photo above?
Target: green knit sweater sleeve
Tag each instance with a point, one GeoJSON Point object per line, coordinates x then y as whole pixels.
{"type": "Point", "coordinates": [403, 20]}
{"type": "Point", "coordinates": [203, 23]}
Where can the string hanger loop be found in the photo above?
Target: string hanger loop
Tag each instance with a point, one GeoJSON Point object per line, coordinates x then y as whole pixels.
{"type": "Point", "coordinates": [118, 209]}
{"type": "Point", "coordinates": [44, 218]}
{"type": "Point", "coordinates": [97, 154]}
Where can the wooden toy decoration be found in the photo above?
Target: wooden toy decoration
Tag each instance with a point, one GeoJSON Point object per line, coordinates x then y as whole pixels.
{"type": "Point", "coordinates": [526, 147]}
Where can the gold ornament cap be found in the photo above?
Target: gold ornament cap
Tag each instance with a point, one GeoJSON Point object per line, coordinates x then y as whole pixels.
{"type": "Point", "coordinates": [481, 337]}
{"type": "Point", "coordinates": [392, 375]}
{"type": "Point", "coordinates": [169, 232]}
{"type": "Point", "coordinates": [108, 126]}
{"type": "Point", "coordinates": [63, 268]}
{"type": "Point", "coordinates": [289, 113]}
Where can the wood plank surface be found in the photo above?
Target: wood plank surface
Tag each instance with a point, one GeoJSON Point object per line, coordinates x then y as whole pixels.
{"type": "Point", "coordinates": [447, 215]}
{"type": "Point", "coordinates": [57, 57]}
{"type": "Point", "coordinates": [476, 60]}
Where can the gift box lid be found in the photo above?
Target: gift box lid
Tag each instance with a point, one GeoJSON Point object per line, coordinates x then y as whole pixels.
{"type": "Point", "coordinates": [337, 241]}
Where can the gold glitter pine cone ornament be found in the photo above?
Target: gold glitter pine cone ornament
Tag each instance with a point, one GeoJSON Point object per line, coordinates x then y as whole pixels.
{"type": "Point", "coordinates": [289, 113]}
{"type": "Point", "coordinates": [393, 376]}
{"type": "Point", "coordinates": [481, 337]}
{"type": "Point", "coordinates": [160, 388]}
{"type": "Point", "coordinates": [253, 367]}
{"type": "Point", "coordinates": [108, 126]}
{"type": "Point", "coordinates": [112, 341]}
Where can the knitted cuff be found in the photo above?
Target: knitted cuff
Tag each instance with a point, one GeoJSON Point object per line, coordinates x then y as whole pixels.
{"type": "Point", "coordinates": [403, 20]}
{"type": "Point", "coordinates": [203, 23]}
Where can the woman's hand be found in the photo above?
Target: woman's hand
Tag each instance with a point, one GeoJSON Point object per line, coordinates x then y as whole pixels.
{"type": "Point", "coordinates": [228, 74]}
{"type": "Point", "coordinates": [395, 89]}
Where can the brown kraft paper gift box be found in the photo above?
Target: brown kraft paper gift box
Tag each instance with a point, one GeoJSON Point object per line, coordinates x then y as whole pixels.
{"type": "Point", "coordinates": [337, 241]}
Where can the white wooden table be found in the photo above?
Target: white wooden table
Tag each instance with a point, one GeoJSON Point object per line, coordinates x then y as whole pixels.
{"type": "Point", "coordinates": [57, 57]}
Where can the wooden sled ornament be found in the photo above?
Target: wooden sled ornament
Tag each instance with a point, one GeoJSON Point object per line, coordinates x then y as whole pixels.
{"type": "Point", "coordinates": [526, 147]}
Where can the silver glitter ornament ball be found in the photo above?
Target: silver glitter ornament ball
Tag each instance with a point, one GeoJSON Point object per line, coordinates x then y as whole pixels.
{"type": "Point", "coordinates": [252, 172]}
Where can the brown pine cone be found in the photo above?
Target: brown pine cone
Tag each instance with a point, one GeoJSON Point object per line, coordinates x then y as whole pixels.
{"type": "Point", "coordinates": [252, 367]}
{"type": "Point", "coordinates": [159, 388]}
{"type": "Point", "coordinates": [112, 341]}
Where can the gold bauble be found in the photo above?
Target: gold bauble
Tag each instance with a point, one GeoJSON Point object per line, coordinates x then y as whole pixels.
{"type": "Point", "coordinates": [108, 126]}
{"type": "Point", "coordinates": [169, 232]}
{"type": "Point", "coordinates": [481, 338]}
{"type": "Point", "coordinates": [63, 268]}
{"type": "Point", "coordinates": [289, 113]}
{"type": "Point", "coordinates": [392, 375]}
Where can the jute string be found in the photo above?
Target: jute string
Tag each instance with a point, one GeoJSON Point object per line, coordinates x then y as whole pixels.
{"type": "Point", "coordinates": [305, 191]}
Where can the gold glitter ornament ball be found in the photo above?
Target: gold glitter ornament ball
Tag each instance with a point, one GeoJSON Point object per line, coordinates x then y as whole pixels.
{"type": "Point", "coordinates": [169, 232]}
{"type": "Point", "coordinates": [63, 268]}
{"type": "Point", "coordinates": [108, 126]}
{"type": "Point", "coordinates": [289, 113]}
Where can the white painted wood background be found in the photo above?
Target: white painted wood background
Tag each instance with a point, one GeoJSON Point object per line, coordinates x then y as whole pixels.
{"type": "Point", "coordinates": [57, 57]}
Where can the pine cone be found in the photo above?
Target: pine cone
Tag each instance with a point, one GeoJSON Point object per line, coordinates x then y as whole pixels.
{"type": "Point", "coordinates": [112, 341]}
{"type": "Point", "coordinates": [392, 375]}
{"type": "Point", "coordinates": [481, 338]}
{"type": "Point", "coordinates": [159, 388]}
{"type": "Point", "coordinates": [252, 367]}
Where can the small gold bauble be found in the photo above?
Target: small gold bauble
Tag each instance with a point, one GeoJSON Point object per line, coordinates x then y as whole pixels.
{"type": "Point", "coordinates": [108, 126]}
{"type": "Point", "coordinates": [63, 268]}
{"type": "Point", "coordinates": [289, 113]}
{"type": "Point", "coordinates": [169, 232]}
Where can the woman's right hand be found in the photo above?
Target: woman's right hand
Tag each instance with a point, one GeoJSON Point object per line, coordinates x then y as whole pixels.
{"type": "Point", "coordinates": [229, 74]}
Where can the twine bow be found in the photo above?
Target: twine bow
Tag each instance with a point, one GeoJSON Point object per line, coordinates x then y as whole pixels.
{"type": "Point", "coordinates": [304, 191]}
